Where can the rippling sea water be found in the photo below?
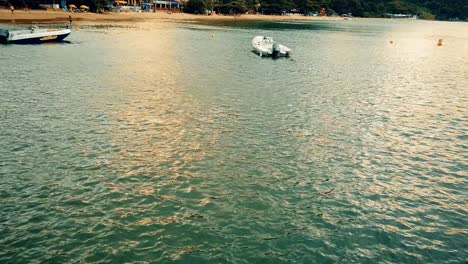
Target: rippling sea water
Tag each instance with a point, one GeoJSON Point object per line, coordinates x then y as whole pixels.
{"type": "Point", "coordinates": [160, 143]}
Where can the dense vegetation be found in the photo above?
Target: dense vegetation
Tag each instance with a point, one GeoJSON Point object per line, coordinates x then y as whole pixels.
{"type": "Point", "coordinates": [426, 9]}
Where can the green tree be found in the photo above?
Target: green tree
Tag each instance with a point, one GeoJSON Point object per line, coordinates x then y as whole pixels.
{"type": "Point", "coordinates": [196, 7]}
{"type": "Point", "coordinates": [231, 7]}
{"type": "Point", "coordinates": [307, 6]}
{"type": "Point", "coordinates": [276, 6]}
{"type": "Point", "coordinates": [340, 6]}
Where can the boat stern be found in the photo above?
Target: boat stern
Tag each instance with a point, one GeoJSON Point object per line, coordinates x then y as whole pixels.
{"type": "Point", "coordinates": [4, 34]}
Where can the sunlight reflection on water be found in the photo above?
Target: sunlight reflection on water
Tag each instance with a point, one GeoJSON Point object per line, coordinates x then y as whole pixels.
{"type": "Point", "coordinates": [158, 142]}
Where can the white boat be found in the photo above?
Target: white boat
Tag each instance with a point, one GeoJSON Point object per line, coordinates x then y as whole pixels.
{"type": "Point", "coordinates": [33, 35]}
{"type": "Point", "coordinates": [265, 46]}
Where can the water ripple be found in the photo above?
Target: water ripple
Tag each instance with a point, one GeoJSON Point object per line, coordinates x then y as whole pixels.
{"type": "Point", "coordinates": [170, 145]}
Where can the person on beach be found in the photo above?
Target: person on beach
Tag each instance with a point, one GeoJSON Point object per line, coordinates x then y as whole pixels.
{"type": "Point", "coordinates": [12, 9]}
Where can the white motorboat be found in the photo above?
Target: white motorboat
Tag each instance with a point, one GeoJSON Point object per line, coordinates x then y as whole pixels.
{"type": "Point", "coordinates": [33, 35]}
{"type": "Point", "coordinates": [265, 46]}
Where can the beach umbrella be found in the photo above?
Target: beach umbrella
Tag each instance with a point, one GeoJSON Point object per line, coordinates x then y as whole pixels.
{"type": "Point", "coordinates": [120, 2]}
{"type": "Point", "coordinates": [84, 7]}
{"type": "Point", "coordinates": [72, 6]}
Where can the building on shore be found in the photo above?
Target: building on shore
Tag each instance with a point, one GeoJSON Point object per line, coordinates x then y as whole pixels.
{"type": "Point", "coordinates": [169, 4]}
{"type": "Point", "coordinates": [147, 5]}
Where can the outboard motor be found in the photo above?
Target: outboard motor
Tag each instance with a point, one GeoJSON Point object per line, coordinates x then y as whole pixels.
{"type": "Point", "coordinates": [4, 34]}
{"type": "Point", "coordinates": [276, 50]}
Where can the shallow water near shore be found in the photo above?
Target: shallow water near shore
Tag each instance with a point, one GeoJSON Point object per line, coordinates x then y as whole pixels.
{"type": "Point", "coordinates": [173, 142]}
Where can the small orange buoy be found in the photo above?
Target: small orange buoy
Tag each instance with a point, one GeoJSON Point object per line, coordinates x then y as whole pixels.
{"type": "Point", "coordinates": [440, 42]}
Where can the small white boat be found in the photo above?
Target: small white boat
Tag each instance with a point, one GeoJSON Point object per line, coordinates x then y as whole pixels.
{"type": "Point", "coordinates": [265, 46]}
{"type": "Point", "coordinates": [33, 35]}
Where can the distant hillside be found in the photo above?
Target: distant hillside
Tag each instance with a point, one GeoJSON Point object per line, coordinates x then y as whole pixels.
{"type": "Point", "coordinates": [425, 9]}
{"type": "Point", "coordinates": [428, 9]}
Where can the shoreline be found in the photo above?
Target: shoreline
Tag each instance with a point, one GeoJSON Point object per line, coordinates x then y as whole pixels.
{"type": "Point", "coordinates": [60, 17]}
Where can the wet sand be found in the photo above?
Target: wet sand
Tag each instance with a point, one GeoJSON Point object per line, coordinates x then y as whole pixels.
{"type": "Point", "coordinates": [42, 16]}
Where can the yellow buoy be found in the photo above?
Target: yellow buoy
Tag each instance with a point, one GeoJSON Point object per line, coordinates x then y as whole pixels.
{"type": "Point", "coordinates": [440, 42]}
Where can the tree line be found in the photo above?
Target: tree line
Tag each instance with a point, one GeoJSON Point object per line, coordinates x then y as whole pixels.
{"type": "Point", "coordinates": [426, 9]}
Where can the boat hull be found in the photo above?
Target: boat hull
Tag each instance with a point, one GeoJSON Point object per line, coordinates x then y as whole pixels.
{"type": "Point", "coordinates": [42, 39]}
{"type": "Point", "coordinates": [33, 36]}
{"type": "Point", "coordinates": [265, 46]}
{"type": "Point", "coordinates": [271, 53]}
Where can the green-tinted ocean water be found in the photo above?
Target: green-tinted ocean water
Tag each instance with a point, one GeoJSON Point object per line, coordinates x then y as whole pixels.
{"type": "Point", "coordinates": [168, 142]}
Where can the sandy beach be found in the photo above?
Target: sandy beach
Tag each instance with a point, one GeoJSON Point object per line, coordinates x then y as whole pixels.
{"type": "Point", "coordinates": [42, 16]}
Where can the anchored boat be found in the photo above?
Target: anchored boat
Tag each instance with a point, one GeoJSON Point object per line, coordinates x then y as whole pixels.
{"type": "Point", "coordinates": [265, 46]}
{"type": "Point", "coordinates": [34, 35]}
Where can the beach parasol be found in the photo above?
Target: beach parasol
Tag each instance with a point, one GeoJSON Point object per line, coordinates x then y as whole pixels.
{"type": "Point", "coordinates": [84, 7]}
{"type": "Point", "coordinates": [120, 2]}
{"type": "Point", "coordinates": [72, 6]}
